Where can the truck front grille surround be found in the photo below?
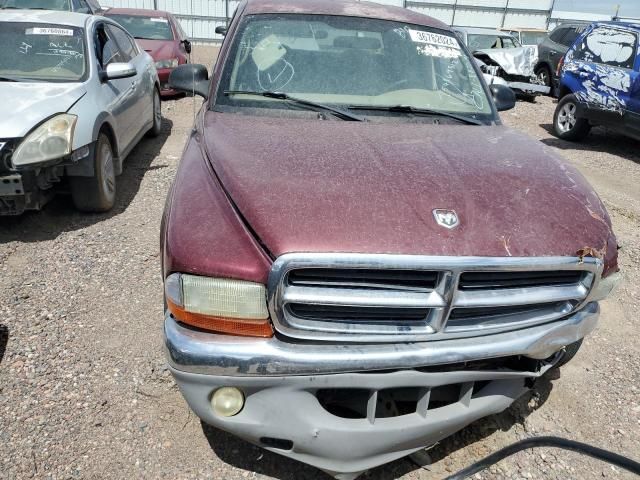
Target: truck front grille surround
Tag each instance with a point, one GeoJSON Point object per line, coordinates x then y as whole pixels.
{"type": "Point", "coordinates": [390, 298]}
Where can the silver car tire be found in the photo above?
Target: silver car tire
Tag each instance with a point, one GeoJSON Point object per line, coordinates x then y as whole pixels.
{"type": "Point", "coordinates": [97, 193]}
{"type": "Point", "coordinates": [156, 128]}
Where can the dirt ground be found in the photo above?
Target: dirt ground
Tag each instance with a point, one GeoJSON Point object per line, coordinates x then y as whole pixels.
{"type": "Point", "coordinates": [84, 391]}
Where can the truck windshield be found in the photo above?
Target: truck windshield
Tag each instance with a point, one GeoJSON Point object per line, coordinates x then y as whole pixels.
{"type": "Point", "coordinates": [41, 51]}
{"type": "Point", "coordinates": [350, 62]}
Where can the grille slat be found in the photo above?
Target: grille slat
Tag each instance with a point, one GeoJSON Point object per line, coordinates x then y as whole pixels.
{"type": "Point", "coordinates": [383, 279]}
{"type": "Point", "coordinates": [497, 280]}
{"type": "Point", "coordinates": [391, 298]}
{"type": "Point", "coordinates": [347, 313]}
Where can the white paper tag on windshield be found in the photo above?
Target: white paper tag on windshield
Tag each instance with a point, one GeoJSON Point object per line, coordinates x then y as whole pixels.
{"type": "Point", "coordinates": [61, 32]}
{"type": "Point", "coordinates": [161, 20]}
{"type": "Point", "coordinates": [434, 39]}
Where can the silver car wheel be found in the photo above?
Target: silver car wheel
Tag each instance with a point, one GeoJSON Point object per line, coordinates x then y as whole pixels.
{"type": "Point", "coordinates": [157, 109]}
{"type": "Point", "coordinates": [108, 171]}
{"type": "Point", "coordinates": [567, 117]}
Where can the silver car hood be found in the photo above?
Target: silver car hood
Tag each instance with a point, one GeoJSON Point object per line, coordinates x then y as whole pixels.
{"type": "Point", "coordinates": [27, 104]}
{"type": "Point", "coordinates": [514, 61]}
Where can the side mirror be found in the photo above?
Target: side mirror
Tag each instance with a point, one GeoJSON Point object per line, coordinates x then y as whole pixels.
{"type": "Point", "coordinates": [187, 46]}
{"type": "Point", "coordinates": [190, 78]}
{"type": "Point", "coordinates": [503, 96]}
{"type": "Point", "coordinates": [220, 30]}
{"type": "Point", "coordinates": [118, 70]}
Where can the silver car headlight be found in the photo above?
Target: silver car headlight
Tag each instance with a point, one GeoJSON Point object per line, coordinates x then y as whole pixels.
{"type": "Point", "coordinates": [53, 139]}
{"type": "Point", "coordinates": [170, 63]}
{"type": "Point", "coordinates": [605, 287]}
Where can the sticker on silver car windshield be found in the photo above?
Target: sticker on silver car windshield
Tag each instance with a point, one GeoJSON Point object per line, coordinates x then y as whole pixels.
{"type": "Point", "coordinates": [446, 218]}
{"type": "Point", "coordinates": [61, 32]}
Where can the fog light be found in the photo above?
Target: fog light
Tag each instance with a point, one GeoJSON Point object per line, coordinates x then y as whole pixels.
{"type": "Point", "coordinates": [227, 401]}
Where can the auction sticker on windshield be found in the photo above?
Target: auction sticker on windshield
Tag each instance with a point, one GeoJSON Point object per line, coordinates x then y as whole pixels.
{"type": "Point", "coordinates": [61, 32]}
{"type": "Point", "coordinates": [434, 39]}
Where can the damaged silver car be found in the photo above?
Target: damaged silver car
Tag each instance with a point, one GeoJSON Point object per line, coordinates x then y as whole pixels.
{"type": "Point", "coordinates": [78, 94]}
{"type": "Point", "coordinates": [503, 60]}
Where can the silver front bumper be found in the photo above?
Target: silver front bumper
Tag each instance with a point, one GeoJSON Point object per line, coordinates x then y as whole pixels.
{"type": "Point", "coordinates": [281, 381]}
{"type": "Point", "coordinates": [199, 352]}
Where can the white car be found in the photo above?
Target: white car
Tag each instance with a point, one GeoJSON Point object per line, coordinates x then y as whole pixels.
{"type": "Point", "coordinates": [77, 95]}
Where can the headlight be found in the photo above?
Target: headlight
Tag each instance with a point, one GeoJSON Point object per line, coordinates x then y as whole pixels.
{"type": "Point", "coordinates": [53, 139]}
{"type": "Point", "coordinates": [219, 304]}
{"type": "Point", "coordinates": [170, 63]}
{"type": "Point", "coordinates": [605, 287]}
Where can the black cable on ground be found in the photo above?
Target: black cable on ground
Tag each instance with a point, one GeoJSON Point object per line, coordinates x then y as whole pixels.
{"type": "Point", "coordinates": [555, 442]}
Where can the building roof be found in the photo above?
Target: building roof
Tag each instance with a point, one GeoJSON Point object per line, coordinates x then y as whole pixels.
{"type": "Point", "coordinates": [349, 8]}
{"type": "Point", "coordinates": [71, 19]}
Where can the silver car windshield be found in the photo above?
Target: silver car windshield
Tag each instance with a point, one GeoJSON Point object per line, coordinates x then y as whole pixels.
{"type": "Point", "coordinates": [347, 61]}
{"type": "Point", "coordinates": [40, 51]}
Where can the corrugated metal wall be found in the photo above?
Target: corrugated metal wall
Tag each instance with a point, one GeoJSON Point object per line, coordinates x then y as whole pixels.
{"type": "Point", "coordinates": [199, 18]}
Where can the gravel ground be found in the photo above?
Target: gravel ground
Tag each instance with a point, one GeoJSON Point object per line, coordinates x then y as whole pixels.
{"type": "Point", "coordinates": [84, 391]}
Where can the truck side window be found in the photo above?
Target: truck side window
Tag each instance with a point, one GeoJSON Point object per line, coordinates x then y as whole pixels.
{"type": "Point", "coordinates": [608, 46]}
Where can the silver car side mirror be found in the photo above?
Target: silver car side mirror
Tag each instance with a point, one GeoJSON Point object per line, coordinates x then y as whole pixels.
{"type": "Point", "coordinates": [118, 70]}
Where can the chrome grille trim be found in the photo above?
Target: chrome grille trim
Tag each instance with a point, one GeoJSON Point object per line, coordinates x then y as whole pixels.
{"type": "Point", "coordinates": [439, 301]}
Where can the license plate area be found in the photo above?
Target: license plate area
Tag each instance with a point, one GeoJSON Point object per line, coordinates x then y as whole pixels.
{"type": "Point", "coordinates": [11, 185]}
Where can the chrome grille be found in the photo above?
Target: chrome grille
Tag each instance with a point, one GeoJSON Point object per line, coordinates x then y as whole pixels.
{"type": "Point", "coordinates": [390, 298]}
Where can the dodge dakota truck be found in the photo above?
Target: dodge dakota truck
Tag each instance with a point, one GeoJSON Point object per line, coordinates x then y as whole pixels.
{"type": "Point", "coordinates": [359, 259]}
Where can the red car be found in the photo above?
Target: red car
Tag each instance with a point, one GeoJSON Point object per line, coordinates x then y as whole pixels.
{"type": "Point", "coordinates": [160, 35]}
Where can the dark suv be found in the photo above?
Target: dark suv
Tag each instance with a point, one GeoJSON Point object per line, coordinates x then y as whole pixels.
{"type": "Point", "coordinates": [553, 48]}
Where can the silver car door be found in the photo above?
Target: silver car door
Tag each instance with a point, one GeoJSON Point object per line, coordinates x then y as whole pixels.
{"type": "Point", "coordinates": [145, 85]}
{"type": "Point", "coordinates": [123, 108]}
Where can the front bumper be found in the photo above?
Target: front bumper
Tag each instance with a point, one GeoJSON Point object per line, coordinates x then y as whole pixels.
{"type": "Point", "coordinates": [281, 381]}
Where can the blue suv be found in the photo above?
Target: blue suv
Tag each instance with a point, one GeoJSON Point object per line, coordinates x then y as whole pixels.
{"type": "Point", "coordinates": [600, 83]}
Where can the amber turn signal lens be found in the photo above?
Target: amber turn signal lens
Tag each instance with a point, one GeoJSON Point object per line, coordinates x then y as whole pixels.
{"type": "Point", "coordinates": [232, 326]}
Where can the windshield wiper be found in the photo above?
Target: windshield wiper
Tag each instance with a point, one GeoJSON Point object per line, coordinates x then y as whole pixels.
{"type": "Point", "coordinates": [417, 111]}
{"type": "Point", "coordinates": [9, 79]}
{"type": "Point", "coordinates": [344, 115]}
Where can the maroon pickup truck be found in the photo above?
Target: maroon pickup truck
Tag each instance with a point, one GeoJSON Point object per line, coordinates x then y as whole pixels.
{"type": "Point", "coordinates": [359, 258]}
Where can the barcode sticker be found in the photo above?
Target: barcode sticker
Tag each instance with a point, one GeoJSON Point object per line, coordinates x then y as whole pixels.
{"type": "Point", "coordinates": [434, 39]}
{"type": "Point", "coordinates": [61, 32]}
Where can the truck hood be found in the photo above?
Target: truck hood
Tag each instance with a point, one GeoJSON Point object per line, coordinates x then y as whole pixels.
{"type": "Point", "coordinates": [331, 186]}
{"type": "Point", "coordinates": [27, 104]}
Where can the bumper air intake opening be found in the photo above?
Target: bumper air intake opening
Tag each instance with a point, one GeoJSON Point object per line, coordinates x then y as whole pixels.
{"type": "Point", "coordinates": [344, 402]}
{"type": "Point", "coordinates": [279, 443]}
